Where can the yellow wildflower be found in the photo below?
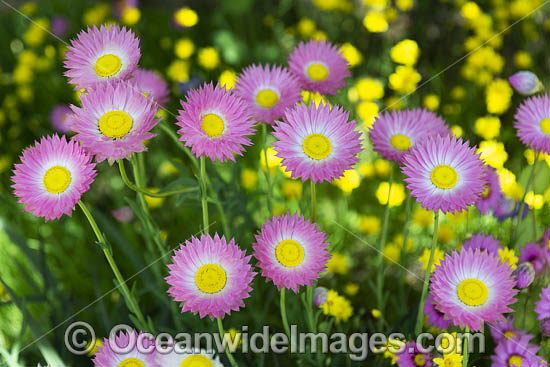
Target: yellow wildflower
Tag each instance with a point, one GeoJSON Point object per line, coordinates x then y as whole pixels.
{"type": "Point", "coordinates": [337, 264]}
{"type": "Point", "coordinates": [431, 102]}
{"type": "Point", "coordinates": [498, 96]}
{"type": "Point", "coordinates": [376, 313]}
{"type": "Point", "coordinates": [306, 27]}
{"type": "Point", "coordinates": [153, 203]}
{"type": "Point", "coordinates": [375, 22]}
{"type": "Point", "coordinates": [337, 306]}
{"type": "Point", "coordinates": [186, 17]}
{"type": "Point", "coordinates": [178, 71]}
{"type": "Point", "coordinates": [208, 58]}
{"type": "Point", "coordinates": [488, 127]}
{"type": "Point", "coordinates": [493, 153]}
{"type": "Point", "coordinates": [422, 217]}
{"type": "Point", "coordinates": [425, 258]}
{"type": "Point", "coordinates": [396, 193]}
{"type": "Point", "coordinates": [349, 181]}
{"type": "Point", "coordinates": [449, 360]}
{"type": "Point", "coordinates": [457, 131]}
{"type": "Point", "coordinates": [368, 112]}
{"type": "Point", "coordinates": [523, 60]}
{"type": "Point", "coordinates": [273, 162]}
{"type": "Point", "coordinates": [351, 289]}
{"type": "Point", "coordinates": [369, 224]}
{"type": "Point", "coordinates": [404, 80]}
{"type": "Point", "coordinates": [130, 15]}
{"type": "Point", "coordinates": [292, 189]}
{"type": "Point", "coordinates": [405, 52]}
{"type": "Point", "coordinates": [508, 256]}
{"type": "Point", "coordinates": [404, 5]}
{"type": "Point", "coordinates": [367, 169]}
{"type": "Point", "coordinates": [249, 178]}
{"type": "Point", "coordinates": [535, 201]}
{"type": "Point", "coordinates": [351, 54]}
{"type": "Point", "coordinates": [228, 78]}
{"type": "Point", "coordinates": [392, 253]}
{"type": "Point", "coordinates": [184, 48]}
{"type": "Point", "coordinates": [445, 233]}
{"type": "Point", "coordinates": [369, 89]}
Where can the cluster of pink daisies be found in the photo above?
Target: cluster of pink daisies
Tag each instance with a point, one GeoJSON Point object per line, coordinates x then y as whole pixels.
{"type": "Point", "coordinates": [211, 275]}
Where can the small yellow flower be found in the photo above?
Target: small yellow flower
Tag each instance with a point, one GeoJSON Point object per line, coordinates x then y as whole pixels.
{"type": "Point", "coordinates": [375, 22]}
{"type": "Point", "coordinates": [425, 258]}
{"type": "Point", "coordinates": [470, 11]}
{"type": "Point", "coordinates": [351, 54]}
{"type": "Point", "coordinates": [351, 289]}
{"type": "Point", "coordinates": [393, 103]}
{"type": "Point", "coordinates": [367, 169]}
{"type": "Point", "coordinates": [405, 52]}
{"type": "Point", "coordinates": [382, 167]}
{"type": "Point", "coordinates": [337, 264]}
{"type": "Point", "coordinates": [208, 58]}
{"type": "Point", "coordinates": [376, 313]}
{"type": "Point", "coordinates": [96, 14]}
{"type": "Point", "coordinates": [431, 102]}
{"type": "Point", "coordinates": [404, 5]}
{"type": "Point", "coordinates": [228, 78]}
{"type": "Point", "coordinates": [178, 71]}
{"type": "Point", "coordinates": [306, 27]}
{"type": "Point", "coordinates": [273, 162]}
{"type": "Point", "coordinates": [445, 233]}
{"type": "Point", "coordinates": [396, 193]}
{"type": "Point", "coordinates": [535, 201]}
{"type": "Point", "coordinates": [498, 96]}
{"type": "Point", "coordinates": [186, 17]}
{"type": "Point", "coordinates": [369, 224]}
{"type": "Point", "coordinates": [449, 360]}
{"type": "Point", "coordinates": [167, 168]}
{"type": "Point", "coordinates": [337, 306]}
{"type": "Point", "coordinates": [184, 48]}
{"type": "Point", "coordinates": [493, 153]}
{"type": "Point", "coordinates": [350, 181]}
{"type": "Point", "coordinates": [368, 112]}
{"type": "Point", "coordinates": [423, 217]}
{"type": "Point", "coordinates": [458, 93]}
{"type": "Point", "coordinates": [369, 89]}
{"type": "Point", "coordinates": [392, 253]}
{"type": "Point", "coordinates": [508, 256]}
{"type": "Point", "coordinates": [457, 131]}
{"type": "Point", "coordinates": [249, 178]}
{"type": "Point", "coordinates": [130, 16]}
{"type": "Point", "coordinates": [98, 343]}
{"type": "Point", "coordinates": [488, 127]}
{"type": "Point", "coordinates": [153, 203]}
{"type": "Point", "coordinates": [508, 184]}
{"type": "Point", "coordinates": [292, 189]}
{"type": "Point", "coordinates": [523, 60]}
{"type": "Point", "coordinates": [404, 80]}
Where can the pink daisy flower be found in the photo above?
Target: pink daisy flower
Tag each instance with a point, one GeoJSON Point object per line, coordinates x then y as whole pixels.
{"type": "Point", "coordinates": [52, 176]}
{"type": "Point", "coordinates": [533, 123]}
{"type": "Point", "coordinates": [412, 357]}
{"type": "Point", "coordinates": [291, 251]}
{"type": "Point", "coordinates": [215, 123]}
{"type": "Point", "coordinates": [394, 133]}
{"type": "Point", "coordinates": [112, 352]}
{"type": "Point", "coordinates": [150, 84]}
{"type": "Point", "coordinates": [435, 317]}
{"type": "Point", "coordinates": [319, 66]}
{"type": "Point", "coordinates": [492, 193]}
{"type": "Point", "coordinates": [444, 173]}
{"type": "Point", "coordinates": [473, 287]}
{"type": "Point", "coordinates": [542, 306]}
{"type": "Point", "coordinates": [97, 55]}
{"type": "Point", "coordinates": [114, 120]}
{"type": "Point", "coordinates": [210, 276]}
{"type": "Point", "coordinates": [482, 242]}
{"type": "Point", "coordinates": [60, 118]}
{"type": "Point", "coordinates": [505, 330]}
{"type": "Point", "coordinates": [268, 91]}
{"type": "Point", "coordinates": [317, 142]}
{"type": "Point", "coordinates": [514, 352]}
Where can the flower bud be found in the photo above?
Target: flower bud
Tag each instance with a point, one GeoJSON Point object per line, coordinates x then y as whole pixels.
{"type": "Point", "coordinates": [525, 274]}
{"type": "Point", "coordinates": [526, 83]}
{"type": "Point", "coordinates": [320, 296]}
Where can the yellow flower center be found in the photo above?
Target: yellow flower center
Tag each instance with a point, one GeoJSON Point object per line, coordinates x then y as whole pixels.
{"type": "Point", "coordinates": [212, 125]}
{"type": "Point", "coordinates": [473, 292]}
{"type": "Point", "coordinates": [131, 362]}
{"type": "Point", "coordinates": [419, 360]}
{"type": "Point", "coordinates": [267, 98]}
{"type": "Point", "coordinates": [57, 179]}
{"type": "Point", "coordinates": [509, 334]}
{"type": "Point", "coordinates": [400, 142]}
{"type": "Point", "coordinates": [289, 253]}
{"type": "Point", "coordinates": [515, 360]}
{"type": "Point", "coordinates": [317, 72]}
{"type": "Point", "coordinates": [107, 65]}
{"type": "Point", "coordinates": [486, 192]}
{"type": "Point", "coordinates": [197, 360]}
{"type": "Point", "coordinates": [444, 176]}
{"type": "Point", "coordinates": [317, 146]}
{"type": "Point", "coordinates": [115, 124]}
{"type": "Point", "coordinates": [145, 93]}
{"type": "Point", "coordinates": [545, 125]}
{"type": "Point", "coordinates": [210, 278]}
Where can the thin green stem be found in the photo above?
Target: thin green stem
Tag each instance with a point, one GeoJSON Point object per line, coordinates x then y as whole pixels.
{"type": "Point", "coordinates": [283, 313]}
{"type": "Point", "coordinates": [522, 204]}
{"type": "Point", "coordinates": [172, 134]}
{"type": "Point", "coordinates": [313, 201]}
{"type": "Point", "coordinates": [130, 300]}
{"type": "Point", "coordinates": [420, 316]}
{"type": "Point", "coordinates": [227, 351]}
{"type": "Point", "coordinates": [466, 355]}
{"type": "Point", "coordinates": [204, 196]}
{"type": "Point", "coordinates": [408, 208]}
{"type": "Point", "coordinates": [161, 194]}
{"type": "Point", "coordinates": [267, 173]}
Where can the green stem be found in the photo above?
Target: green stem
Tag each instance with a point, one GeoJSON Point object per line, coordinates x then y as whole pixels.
{"type": "Point", "coordinates": [522, 204]}
{"type": "Point", "coordinates": [162, 194]}
{"type": "Point", "coordinates": [130, 300]}
{"type": "Point", "coordinates": [283, 313]}
{"type": "Point", "coordinates": [227, 351]}
{"type": "Point", "coordinates": [204, 196]}
{"type": "Point", "coordinates": [172, 134]}
{"type": "Point", "coordinates": [267, 173]}
{"type": "Point", "coordinates": [408, 208]}
{"type": "Point", "coordinates": [420, 316]}
{"type": "Point", "coordinates": [313, 201]}
{"type": "Point", "coordinates": [466, 355]}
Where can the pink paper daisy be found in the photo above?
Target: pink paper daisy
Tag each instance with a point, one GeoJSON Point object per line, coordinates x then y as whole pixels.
{"type": "Point", "coordinates": [317, 142]}
{"type": "Point", "coordinates": [210, 276]}
{"type": "Point", "coordinates": [394, 133]}
{"type": "Point", "coordinates": [215, 123]}
{"type": "Point", "coordinates": [113, 353]}
{"type": "Point", "coordinates": [60, 118]}
{"type": "Point", "coordinates": [97, 55]}
{"type": "Point", "coordinates": [505, 330]}
{"type": "Point", "coordinates": [473, 287]}
{"type": "Point", "coordinates": [114, 120]}
{"type": "Point", "coordinates": [542, 306]}
{"type": "Point", "coordinates": [319, 66]}
{"type": "Point", "coordinates": [514, 352]}
{"type": "Point", "coordinates": [268, 91]}
{"type": "Point", "coordinates": [482, 242]}
{"type": "Point", "coordinates": [533, 123]}
{"type": "Point", "coordinates": [52, 176]}
{"type": "Point", "coordinates": [411, 356]}
{"type": "Point", "coordinates": [291, 251]}
{"type": "Point", "coordinates": [435, 317]}
{"type": "Point", "coordinates": [492, 193]}
{"type": "Point", "coordinates": [444, 173]}
{"type": "Point", "coordinates": [151, 84]}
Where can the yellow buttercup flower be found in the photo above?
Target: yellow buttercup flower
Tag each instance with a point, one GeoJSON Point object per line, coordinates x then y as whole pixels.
{"type": "Point", "coordinates": [508, 256]}
{"type": "Point", "coordinates": [96, 14]}
{"type": "Point", "coordinates": [337, 306]}
{"type": "Point", "coordinates": [488, 127]}
{"type": "Point", "coordinates": [378, 4]}
{"type": "Point", "coordinates": [329, 5]}
{"type": "Point", "coordinates": [184, 48]}
{"type": "Point", "coordinates": [351, 289]}
{"type": "Point", "coordinates": [368, 112]}
{"type": "Point", "coordinates": [349, 181]}
{"type": "Point", "coordinates": [392, 253]}
{"type": "Point", "coordinates": [306, 27]}
{"type": "Point", "coordinates": [382, 167]}
{"type": "Point", "coordinates": [186, 17]}
{"type": "Point", "coordinates": [404, 80]}
{"type": "Point", "coordinates": [393, 103]}
{"type": "Point", "coordinates": [508, 184]}
{"type": "Point", "coordinates": [228, 78]}
{"type": "Point", "coordinates": [367, 169]}
{"type": "Point", "coordinates": [405, 52]}
{"type": "Point", "coordinates": [449, 360]}
{"type": "Point", "coordinates": [351, 54]}
{"type": "Point", "coordinates": [498, 96]}
{"type": "Point", "coordinates": [292, 189]}
{"type": "Point", "coordinates": [425, 258]}
{"type": "Point", "coordinates": [404, 5]}
{"type": "Point", "coordinates": [369, 224]}
{"type": "Point", "coordinates": [369, 89]}
{"type": "Point", "coordinates": [375, 22]}
{"type": "Point", "coordinates": [493, 153]}
{"type": "Point", "coordinates": [249, 178]}
{"type": "Point", "coordinates": [523, 60]}
{"type": "Point", "coordinates": [273, 162]}
{"type": "Point", "coordinates": [208, 58]}
{"type": "Point", "coordinates": [422, 217]}
{"type": "Point", "coordinates": [376, 313]}
{"type": "Point", "coordinates": [130, 15]}
{"type": "Point", "coordinates": [535, 201]}
{"type": "Point", "coordinates": [431, 102]}
{"type": "Point", "coordinates": [396, 193]}
{"type": "Point", "coordinates": [445, 233]}
{"type": "Point", "coordinates": [470, 10]}
{"type": "Point", "coordinates": [178, 71]}
{"type": "Point", "coordinates": [153, 203]}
